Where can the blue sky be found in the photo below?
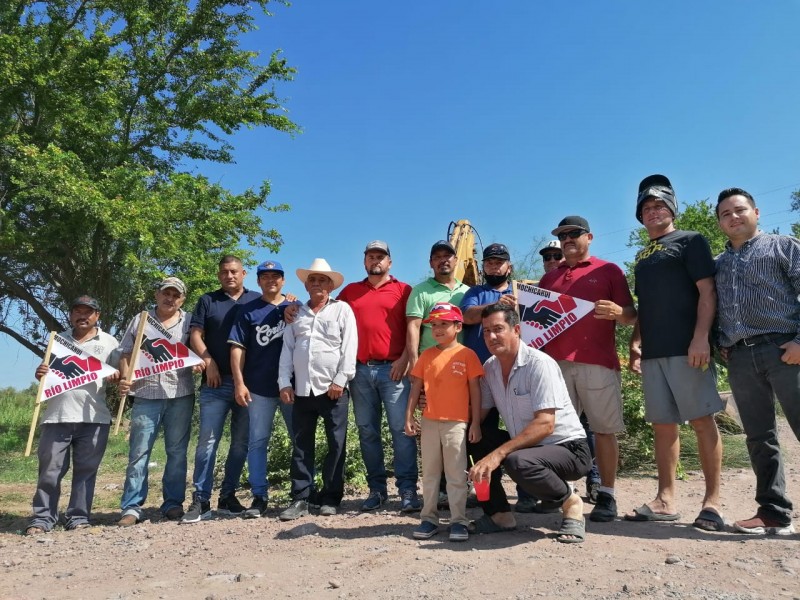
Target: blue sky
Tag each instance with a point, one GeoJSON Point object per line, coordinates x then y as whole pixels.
{"type": "Point", "coordinates": [512, 115]}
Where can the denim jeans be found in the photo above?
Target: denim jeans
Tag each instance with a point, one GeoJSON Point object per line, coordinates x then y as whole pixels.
{"type": "Point", "coordinates": [175, 414]}
{"type": "Point", "coordinates": [373, 388]}
{"type": "Point", "coordinates": [262, 419]}
{"type": "Point", "coordinates": [215, 404]}
{"type": "Point", "coordinates": [757, 376]}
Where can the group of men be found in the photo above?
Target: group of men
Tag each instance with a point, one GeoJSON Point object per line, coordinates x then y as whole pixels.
{"type": "Point", "coordinates": [263, 352]}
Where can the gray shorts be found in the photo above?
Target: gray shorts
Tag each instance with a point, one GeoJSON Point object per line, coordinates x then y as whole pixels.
{"type": "Point", "coordinates": [596, 391]}
{"type": "Point", "coordinates": [674, 392]}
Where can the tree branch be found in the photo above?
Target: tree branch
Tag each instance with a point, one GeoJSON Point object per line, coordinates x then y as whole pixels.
{"type": "Point", "coordinates": [24, 341]}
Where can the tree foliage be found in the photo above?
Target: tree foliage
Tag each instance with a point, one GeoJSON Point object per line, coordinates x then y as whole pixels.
{"type": "Point", "coordinates": [796, 208]}
{"type": "Point", "coordinates": [102, 106]}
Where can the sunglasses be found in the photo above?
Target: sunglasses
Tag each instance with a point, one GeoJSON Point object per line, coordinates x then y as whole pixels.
{"type": "Point", "coordinates": [573, 234]}
{"type": "Point", "coordinates": [547, 257]}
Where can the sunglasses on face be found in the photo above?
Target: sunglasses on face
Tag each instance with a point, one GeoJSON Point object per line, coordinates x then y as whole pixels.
{"type": "Point", "coordinates": [552, 257]}
{"type": "Point", "coordinates": [573, 234]}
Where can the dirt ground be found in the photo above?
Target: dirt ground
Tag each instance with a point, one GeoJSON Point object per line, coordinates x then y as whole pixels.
{"type": "Point", "coordinates": [357, 555]}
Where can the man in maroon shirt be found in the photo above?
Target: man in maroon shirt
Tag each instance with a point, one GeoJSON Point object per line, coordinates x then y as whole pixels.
{"type": "Point", "coordinates": [379, 304]}
{"type": "Point", "coordinates": [586, 352]}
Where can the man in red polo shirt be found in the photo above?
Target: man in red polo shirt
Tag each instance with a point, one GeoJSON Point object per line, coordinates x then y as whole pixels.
{"type": "Point", "coordinates": [586, 352]}
{"type": "Point", "coordinates": [379, 304]}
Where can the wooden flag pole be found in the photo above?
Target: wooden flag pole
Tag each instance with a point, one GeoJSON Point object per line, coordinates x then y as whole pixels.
{"type": "Point", "coordinates": [131, 366]}
{"type": "Point", "coordinates": [39, 393]}
{"type": "Point", "coordinates": [515, 293]}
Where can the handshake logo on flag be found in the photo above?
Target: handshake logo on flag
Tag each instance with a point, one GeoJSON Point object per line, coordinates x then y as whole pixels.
{"type": "Point", "coordinates": [69, 367]}
{"type": "Point", "coordinates": [546, 313]}
{"type": "Point", "coordinates": [161, 350]}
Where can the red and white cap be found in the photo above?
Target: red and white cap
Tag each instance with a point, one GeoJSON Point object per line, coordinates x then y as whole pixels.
{"type": "Point", "coordinates": [444, 311]}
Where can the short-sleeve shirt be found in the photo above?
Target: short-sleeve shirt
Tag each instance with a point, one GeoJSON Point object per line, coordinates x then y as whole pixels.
{"type": "Point", "coordinates": [667, 271]}
{"type": "Point", "coordinates": [380, 317]}
{"type": "Point", "coordinates": [445, 376]}
{"type": "Point", "coordinates": [424, 297]}
{"type": "Point", "coordinates": [590, 341]}
{"type": "Point", "coordinates": [478, 295]}
{"type": "Point", "coordinates": [534, 384]}
{"type": "Point", "coordinates": [169, 384]}
{"type": "Point", "coordinates": [259, 330]}
{"type": "Point", "coordinates": [85, 404]}
{"type": "Point", "coordinates": [215, 314]}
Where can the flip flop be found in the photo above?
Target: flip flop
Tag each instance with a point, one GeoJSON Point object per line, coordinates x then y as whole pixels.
{"type": "Point", "coordinates": [573, 527]}
{"type": "Point", "coordinates": [486, 525]}
{"type": "Point", "coordinates": [645, 513]}
{"type": "Point", "coordinates": [34, 530]}
{"type": "Point", "coordinates": [708, 520]}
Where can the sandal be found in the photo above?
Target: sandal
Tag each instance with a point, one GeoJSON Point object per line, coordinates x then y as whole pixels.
{"type": "Point", "coordinates": [34, 530]}
{"type": "Point", "coordinates": [574, 528]}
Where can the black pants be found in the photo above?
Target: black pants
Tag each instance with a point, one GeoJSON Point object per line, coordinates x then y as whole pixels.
{"type": "Point", "coordinates": [305, 414]}
{"type": "Point", "coordinates": [541, 471]}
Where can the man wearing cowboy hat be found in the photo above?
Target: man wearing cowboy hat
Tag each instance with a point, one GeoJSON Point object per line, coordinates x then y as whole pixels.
{"type": "Point", "coordinates": [319, 349]}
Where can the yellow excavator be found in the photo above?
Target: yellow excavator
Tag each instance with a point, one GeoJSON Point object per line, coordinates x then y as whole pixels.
{"type": "Point", "coordinates": [462, 237]}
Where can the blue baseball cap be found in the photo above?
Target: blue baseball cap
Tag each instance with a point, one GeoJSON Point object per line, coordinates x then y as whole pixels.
{"type": "Point", "coordinates": [269, 265]}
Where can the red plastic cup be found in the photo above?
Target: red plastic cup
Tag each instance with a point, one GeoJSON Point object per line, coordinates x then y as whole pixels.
{"type": "Point", "coordinates": [481, 489]}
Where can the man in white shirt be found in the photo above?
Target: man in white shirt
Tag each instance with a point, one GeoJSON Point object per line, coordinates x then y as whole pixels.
{"type": "Point", "coordinates": [319, 348]}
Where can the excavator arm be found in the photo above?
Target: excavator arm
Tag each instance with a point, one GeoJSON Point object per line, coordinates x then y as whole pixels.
{"type": "Point", "coordinates": [462, 237]}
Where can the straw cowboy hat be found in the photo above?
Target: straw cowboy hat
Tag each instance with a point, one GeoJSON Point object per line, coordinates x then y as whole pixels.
{"type": "Point", "coordinates": [321, 266]}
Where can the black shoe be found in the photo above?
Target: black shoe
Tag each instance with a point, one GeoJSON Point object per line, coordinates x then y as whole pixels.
{"type": "Point", "coordinates": [199, 510]}
{"type": "Point", "coordinates": [592, 491]}
{"type": "Point", "coordinates": [605, 509]}
{"type": "Point", "coordinates": [230, 505]}
{"type": "Point", "coordinates": [374, 501]}
{"type": "Point", "coordinates": [257, 509]}
{"type": "Point", "coordinates": [299, 508]}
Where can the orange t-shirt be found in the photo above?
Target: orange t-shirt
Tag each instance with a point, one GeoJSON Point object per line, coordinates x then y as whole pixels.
{"type": "Point", "coordinates": [445, 375]}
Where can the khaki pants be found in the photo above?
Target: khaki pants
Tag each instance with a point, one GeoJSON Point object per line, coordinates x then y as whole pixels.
{"type": "Point", "coordinates": [444, 446]}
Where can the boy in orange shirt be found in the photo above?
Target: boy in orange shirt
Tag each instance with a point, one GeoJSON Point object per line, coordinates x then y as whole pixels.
{"type": "Point", "coordinates": [450, 375]}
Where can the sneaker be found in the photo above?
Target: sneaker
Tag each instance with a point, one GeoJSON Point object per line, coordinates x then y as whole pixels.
{"type": "Point", "coordinates": [298, 508]}
{"type": "Point", "coordinates": [257, 509]}
{"type": "Point", "coordinates": [327, 510]}
{"type": "Point", "coordinates": [759, 525]}
{"type": "Point", "coordinates": [409, 501]}
{"type": "Point", "coordinates": [526, 505]}
{"type": "Point", "coordinates": [443, 503]}
{"type": "Point", "coordinates": [175, 513]}
{"type": "Point", "coordinates": [458, 533]}
{"type": "Point", "coordinates": [373, 501]}
{"type": "Point", "coordinates": [229, 505]}
{"type": "Point", "coordinates": [199, 510]}
{"type": "Point", "coordinates": [605, 510]}
{"type": "Point", "coordinates": [128, 520]}
{"type": "Point", "coordinates": [425, 531]}
{"type": "Point", "coordinates": [592, 489]}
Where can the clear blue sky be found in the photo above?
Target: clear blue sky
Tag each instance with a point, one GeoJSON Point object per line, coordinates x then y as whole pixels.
{"type": "Point", "coordinates": [512, 115]}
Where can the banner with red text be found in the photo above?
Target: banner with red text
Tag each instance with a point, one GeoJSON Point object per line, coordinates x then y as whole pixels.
{"type": "Point", "coordinates": [70, 368]}
{"type": "Point", "coordinates": [544, 314]}
{"type": "Point", "coordinates": [160, 352]}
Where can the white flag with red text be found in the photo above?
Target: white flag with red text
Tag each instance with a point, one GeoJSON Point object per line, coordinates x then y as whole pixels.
{"type": "Point", "coordinates": [71, 367]}
{"type": "Point", "coordinates": [160, 352]}
{"type": "Point", "coordinates": [544, 314]}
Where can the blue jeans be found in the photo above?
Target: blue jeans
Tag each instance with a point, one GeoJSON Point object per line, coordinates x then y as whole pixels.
{"type": "Point", "coordinates": [373, 388]}
{"type": "Point", "coordinates": [757, 376]}
{"type": "Point", "coordinates": [175, 414]}
{"type": "Point", "coordinates": [262, 419]}
{"type": "Point", "coordinates": [215, 404]}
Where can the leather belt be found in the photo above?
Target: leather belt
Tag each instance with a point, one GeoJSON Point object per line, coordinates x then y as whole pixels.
{"type": "Point", "coordinates": [764, 338]}
{"type": "Point", "coordinates": [375, 363]}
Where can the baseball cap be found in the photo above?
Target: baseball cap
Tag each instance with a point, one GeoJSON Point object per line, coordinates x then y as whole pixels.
{"type": "Point", "coordinates": [172, 282]}
{"type": "Point", "coordinates": [85, 301]}
{"type": "Point", "coordinates": [378, 245]}
{"type": "Point", "coordinates": [442, 245]}
{"type": "Point", "coordinates": [269, 265]}
{"type": "Point", "coordinates": [496, 251]}
{"type": "Point", "coordinates": [571, 222]}
{"type": "Point", "coordinates": [551, 245]}
{"type": "Point", "coordinates": [444, 311]}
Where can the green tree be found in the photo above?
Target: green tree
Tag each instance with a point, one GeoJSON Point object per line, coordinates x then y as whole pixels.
{"type": "Point", "coordinates": [796, 208]}
{"type": "Point", "coordinates": [103, 105]}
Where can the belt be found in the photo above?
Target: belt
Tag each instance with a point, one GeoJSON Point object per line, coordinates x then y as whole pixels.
{"type": "Point", "coordinates": [375, 363]}
{"type": "Point", "coordinates": [764, 338]}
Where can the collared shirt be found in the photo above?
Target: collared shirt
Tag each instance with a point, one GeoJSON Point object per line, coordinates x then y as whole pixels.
{"type": "Point", "coordinates": [380, 317]}
{"type": "Point", "coordinates": [215, 314]}
{"type": "Point", "coordinates": [535, 384]}
{"type": "Point", "coordinates": [758, 287]}
{"type": "Point", "coordinates": [423, 298]}
{"type": "Point", "coordinates": [319, 348]}
{"type": "Point", "coordinates": [590, 341]}
{"type": "Point", "coordinates": [85, 404]}
{"type": "Point", "coordinates": [170, 384]}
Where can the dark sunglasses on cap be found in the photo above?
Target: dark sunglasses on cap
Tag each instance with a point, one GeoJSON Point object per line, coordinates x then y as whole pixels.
{"type": "Point", "coordinates": [546, 257]}
{"type": "Point", "coordinates": [572, 234]}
